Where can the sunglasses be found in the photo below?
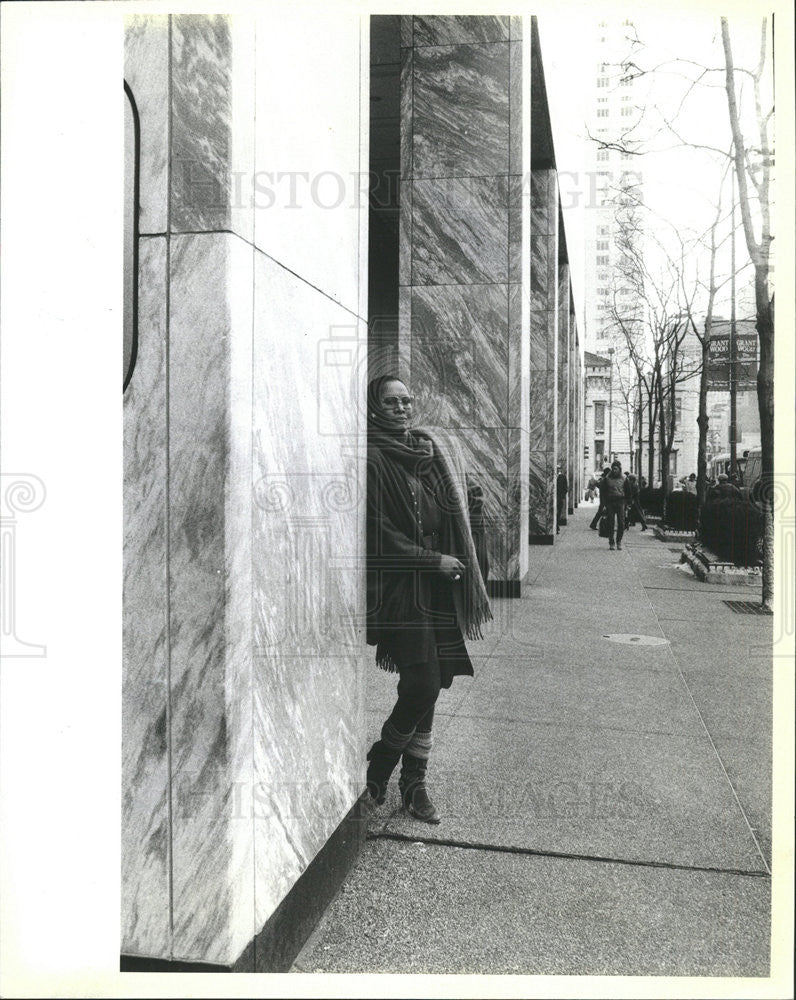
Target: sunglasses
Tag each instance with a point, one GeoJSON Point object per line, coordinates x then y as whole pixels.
{"type": "Point", "coordinates": [392, 401]}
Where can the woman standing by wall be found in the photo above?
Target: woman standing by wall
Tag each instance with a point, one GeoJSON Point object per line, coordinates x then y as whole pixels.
{"type": "Point", "coordinates": [424, 585]}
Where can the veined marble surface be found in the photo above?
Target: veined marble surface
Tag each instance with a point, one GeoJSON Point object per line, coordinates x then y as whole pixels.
{"type": "Point", "coordinates": [201, 126]}
{"type": "Point", "coordinates": [516, 123]}
{"type": "Point", "coordinates": [485, 458]}
{"type": "Point", "coordinates": [460, 354]}
{"type": "Point", "coordinates": [307, 563]}
{"type": "Point", "coordinates": [460, 231]}
{"type": "Point", "coordinates": [263, 715]}
{"type": "Point", "coordinates": [406, 110]}
{"type": "Point", "coordinates": [210, 617]}
{"type": "Point", "coordinates": [146, 834]}
{"type": "Point", "coordinates": [450, 30]}
{"type": "Point", "coordinates": [146, 69]}
{"type": "Point", "coordinates": [311, 187]}
{"type": "Point", "coordinates": [460, 104]}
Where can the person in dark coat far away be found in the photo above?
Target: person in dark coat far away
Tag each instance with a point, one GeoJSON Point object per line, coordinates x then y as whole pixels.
{"type": "Point", "coordinates": [562, 488]}
{"type": "Point", "coordinates": [424, 586]}
{"type": "Point", "coordinates": [601, 507]}
{"type": "Point", "coordinates": [634, 505]}
{"type": "Point", "coordinates": [614, 494]}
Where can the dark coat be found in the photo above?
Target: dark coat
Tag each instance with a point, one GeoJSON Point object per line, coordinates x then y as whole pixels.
{"type": "Point", "coordinates": [410, 611]}
{"type": "Point", "coordinates": [614, 488]}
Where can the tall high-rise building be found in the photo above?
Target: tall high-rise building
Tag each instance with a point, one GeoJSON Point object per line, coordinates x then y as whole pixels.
{"type": "Point", "coordinates": [614, 191]}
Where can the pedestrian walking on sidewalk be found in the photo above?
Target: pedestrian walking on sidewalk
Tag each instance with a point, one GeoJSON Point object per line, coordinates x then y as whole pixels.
{"type": "Point", "coordinates": [562, 488]}
{"type": "Point", "coordinates": [614, 494]}
{"type": "Point", "coordinates": [601, 506]}
{"type": "Point", "coordinates": [634, 505]}
{"type": "Point", "coordinates": [425, 591]}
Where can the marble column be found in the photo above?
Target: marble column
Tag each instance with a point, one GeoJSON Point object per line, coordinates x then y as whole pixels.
{"type": "Point", "coordinates": [463, 295]}
{"type": "Point", "coordinates": [563, 450]}
{"type": "Point", "coordinates": [543, 355]}
{"type": "Point", "coordinates": [243, 666]}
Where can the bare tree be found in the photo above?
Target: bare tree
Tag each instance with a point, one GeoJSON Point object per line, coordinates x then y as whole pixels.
{"type": "Point", "coordinates": [753, 162]}
{"type": "Point", "coordinates": [752, 158]}
{"type": "Point", "coordinates": [649, 309]}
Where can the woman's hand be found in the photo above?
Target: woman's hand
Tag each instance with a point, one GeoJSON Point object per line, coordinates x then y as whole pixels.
{"type": "Point", "coordinates": [450, 567]}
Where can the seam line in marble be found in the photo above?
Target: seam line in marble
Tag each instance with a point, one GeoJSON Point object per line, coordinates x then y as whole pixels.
{"type": "Point", "coordinates": [565, 856]}
{"type": "Point", "coordinates": [167, 494]}
{"type": "Point", "coordinates": [263, 253]}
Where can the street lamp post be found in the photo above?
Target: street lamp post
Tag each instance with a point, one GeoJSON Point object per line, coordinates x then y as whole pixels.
{"type": "Point", "coordinates": [610, 404]}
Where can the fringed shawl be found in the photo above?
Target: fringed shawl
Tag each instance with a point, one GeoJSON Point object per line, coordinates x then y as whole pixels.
{"type": "Point", "coordinates": [432, 455]}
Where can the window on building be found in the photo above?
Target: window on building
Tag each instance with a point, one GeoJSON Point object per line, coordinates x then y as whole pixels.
{"type": "Point", "coordinates": [673, 462]}
{"type": "Point", "coordinates": [625, 112]}
{"type": "Point", "coordinates": [599, 453]}
{"type": "Point", "coordinates": [602, 244]}
{"type": "Point", "coordinates": [602, 112]}
{"type": "Point", "coordinates": [602, 100]}
{"type": "Point", "coordinates": [601, 259]}
{"type": "Point", "coordinates": [599, 419]}
{"type": "Point", "coordinates": [602, 276]}
{"type": "Point", "coordinates": [626, 156]}
{"type": "Point", "coordinates": [602, 291]}
{"type": "Point", "coordinates": [602, 81]}
{"type": "Point", "coordinates": [603, 230]}
{"type": "Point", "coordinates": [625, 97]}
{"type": "Point", "coordinates": [602, 154]}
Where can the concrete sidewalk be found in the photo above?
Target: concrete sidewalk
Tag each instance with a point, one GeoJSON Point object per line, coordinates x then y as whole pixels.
{"type": "Point", "coordinates": [604, 782]}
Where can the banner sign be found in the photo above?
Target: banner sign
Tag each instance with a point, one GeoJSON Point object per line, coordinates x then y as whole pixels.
{"type": "Point", "coordinates": [745, 365]}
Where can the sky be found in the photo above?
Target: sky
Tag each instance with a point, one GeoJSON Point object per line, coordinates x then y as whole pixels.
{"type": "Point", "coordinates": [680, 183]}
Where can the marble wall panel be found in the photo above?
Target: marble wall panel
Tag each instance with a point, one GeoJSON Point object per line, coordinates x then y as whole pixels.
{"type": "Point", "coordinates": [460, 231]}
{"type": "Point", "coordinates": [517, 504]}
{"type": "Point", "coordinates": [515, 26]}
{"type": "Point", "coordinates": [407, 30]}
{"type": "Point", "coordinates": [449, 30]}
{"type": "Point", "coordinates": [201, 122]}
{"type": "Point", "coordinates": [307, 565]}
{"type": "Point", "coordinates": [405, 234]}
{"type": "Point", "coordinates": [540, 498]}
{"type": "Point", "coordinates": [238, 626]}
{"type": "Point", "coordinates": [308, 776]}
{"type": "Point", "coordinates": [146, 68]}
{"type": "Point", "coordinates": [202, 645]}
{"type": "Point", "coordinates": [405, 332]}
{"type": "Point", "coordinates": [517, 375]}
{"type": "Point", "coordinates": [406, 111]}
{"type": "Point", "coordinates": [516, 105]}
{"type": "Point", "coordinates": [542, 219]}
{"type": "Point", "coordinates": [466, 136]}
{"type": "Point", "coordinates": [460, 354]}
{"type": "Point", "coordinates": [241, 165]}
{"type": "Point", "coordinates": [540, 417]}
{"type": "Point", "coordinates": [311, 191]}
{"type": "Point", "coordinates": [485, 459]}
{"type": "Point", "coordinates": [145, 778]}
{"type": "Point", "coordinates": [540, 267]}
{"type": "Point", "coordinates": [515, 202]}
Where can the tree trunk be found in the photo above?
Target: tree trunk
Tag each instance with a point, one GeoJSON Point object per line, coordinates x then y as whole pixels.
{"type": "Point", "coordinates": [652, 416]}
{"type": "Point", "coordinates": [765, 405]}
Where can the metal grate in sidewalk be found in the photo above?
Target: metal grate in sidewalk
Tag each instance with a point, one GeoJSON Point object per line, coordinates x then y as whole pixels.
{"type": "Point", "coordinates": [747, 608]}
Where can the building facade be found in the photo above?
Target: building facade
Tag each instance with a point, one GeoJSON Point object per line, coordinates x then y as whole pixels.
{"type": "Point", "coordinates": [287, 245]}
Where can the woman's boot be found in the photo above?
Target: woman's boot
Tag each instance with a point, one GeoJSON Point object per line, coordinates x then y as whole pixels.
{"type": "Point", "coordinates": [383, 757]}
{"type": "Point", "coordinates": [412, 782]}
